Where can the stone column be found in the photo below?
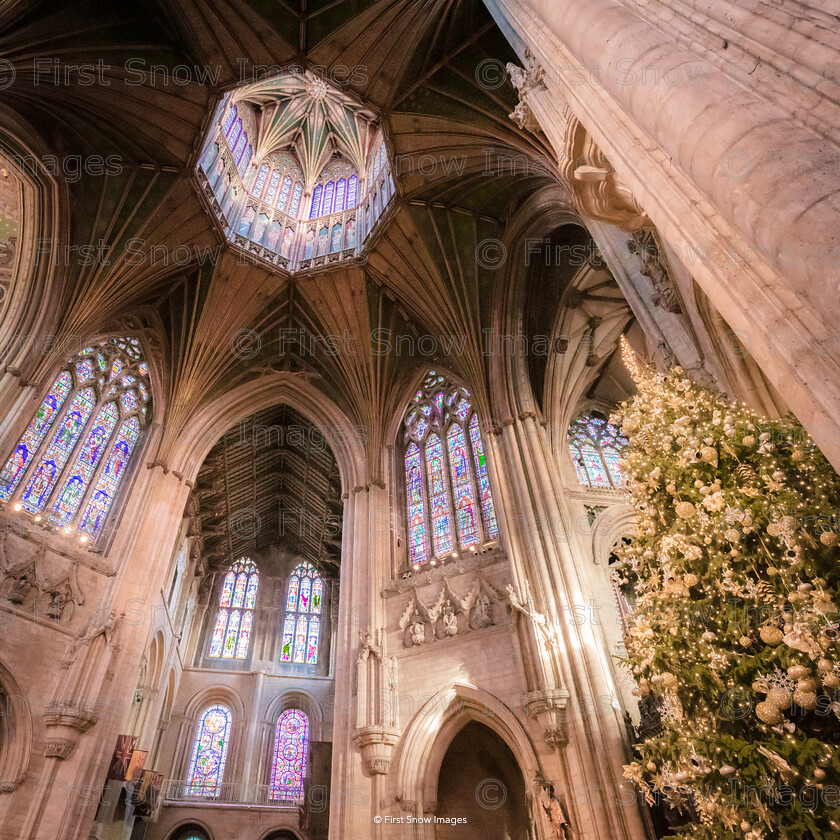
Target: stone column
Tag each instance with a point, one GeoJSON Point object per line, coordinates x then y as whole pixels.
{"type": "Point", "coordinates": [144, 544]}
{"type": "Point", "coordinates": [736, 185]}
{"type": "Point", "coordinates": [570, 695]}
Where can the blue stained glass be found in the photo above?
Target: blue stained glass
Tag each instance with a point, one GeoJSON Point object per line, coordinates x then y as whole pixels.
{"type": "Point", "coordinates": [233, 138]}
{"type": "Point", "coordinates": [491, 528]}
{"type": "Point", "coordinates": [207, 763]}
{"type": "Point", "coordinates": [45, 476]}
{"type": "Point", "coordinates": [328, 199]}
{"type": "Point", "coordinates": [84, 371]}
{"type": "Point", "coordinates": [441, 521]}
{"type": "Point", "coordinates": [259, 184]}
{"type": "Point", "coordinates": [234, 620]}
{"type": "Point", "coordinates": [289, 761]}
{"type": "Point", "coordinates": [594, 446]}
{"type": "Point", "coordinates": [464, 497]}
{"type": "Point", "coordinates": [339, 196]}
{"type": "Point", "coordinates": [229, 120]}
{"type": "Point", "coordinates": [295, 205]}
{"type": "Point", "coordinates": [272, 186]}
{"type": "Point", "coordinates": [240, 147]}
{"type": "Point", "coordinates": [301, 626]}
{"type": "Point", "coordinates": [246, 159]}
{"type": "Point", "coordinates": [284, 193]}
{"type": "Point", "coordinates": [87, 460]}
{"type": "Point", "coordinates": [128, 401]}
{"type": "Point", "coordinates": [352, 192]}
{"type": "Point", "coordinates": [315, 210]}
{"type": "Point", "coordinates": [34, 435]}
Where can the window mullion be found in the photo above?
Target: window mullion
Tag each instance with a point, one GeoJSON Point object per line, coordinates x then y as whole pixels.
{"type": "Point", "coordinates": [427, 501]}
{"type": "Point", "coordinates": [473, 479]}
{"type": "Point", "coordinates": [448, 485]}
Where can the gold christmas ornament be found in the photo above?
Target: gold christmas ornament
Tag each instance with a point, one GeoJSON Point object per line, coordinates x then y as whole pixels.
{"type": "Point", "coordinates": [691, 579]}
{"type": "Point", "coordinates": [685, 510]}
{"type": "Point", "coordinates": [798, 672]}
{"type": "Point", "coordinates": [773, 530]}
{"type": "Point", "coordinates": [748, 440]}
{"type": "Point", "coordinates": [808, 684]}
{"type": "Point", "coordinates": [831, 681]}
{"type": "Point", "coordinates": [771, 635]}
{"type": "Point", "coordinates": [745, 641]}
{"type": "Point", "coordinates": [768, 712]}
{"type": "Point", "coordinates": [745, 472]}
{"type": "Point", "coordinates": [732, 535]}
{"type": "Point", "coordinates": [805, 699]}
{"type": "Point", "coordinates": [829, 538]}
{"type": "Point", "coordinates": [709, 455]}
{"type": "Point", "coordinates": [797, 455]}
{"type": "Point", "coordinates": [825, 664]}
{"type": "Point", "coordinates": [727, 770]}
{"type": "Point", "coordinates": [779, 698]}
{"type": "Point", "coordinates": [819, 773]}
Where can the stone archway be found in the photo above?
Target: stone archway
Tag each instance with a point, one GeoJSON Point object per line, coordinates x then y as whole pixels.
{"type": "Point", "coordinates": [481, 782]}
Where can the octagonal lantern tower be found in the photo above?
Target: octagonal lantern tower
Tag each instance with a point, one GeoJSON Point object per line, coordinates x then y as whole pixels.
{"type": "Point", "coordinates": [296, 171]}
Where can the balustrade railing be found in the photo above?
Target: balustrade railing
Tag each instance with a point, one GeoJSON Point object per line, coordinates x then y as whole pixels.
{"type": "Point", "coordinates": [177, 791]}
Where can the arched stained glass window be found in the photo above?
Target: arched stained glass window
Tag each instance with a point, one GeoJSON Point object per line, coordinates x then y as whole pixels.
{"type": "Point", "coordinates": [272, 186]}
{"type": "Point", "coordinates": [595, 448]}
{"type": "Point", "coordinates": [352, 192]}
{"type": "Point", "coordinates": [284, 193]}
{"type": "Point", "coordinates": [449, 502]}
{"type": "Point", "coordinates": [259, 184]}
{"type": "Point", "coordinates": [340, 190]}
{"type": "Point", "coordinates": [229, 121]}
{"type": "Point", "coordinates": [233, 137]}
{"type": "Point", "coordinates": [289, 762]}
{"type": "Point", "coordinates": [295, 203]}
{"type": "Point", "coordinates": [328, 199]}
{"type": "Point", "coordinates": [315, 210]}
{"type": "Point", "coordinates": [235, 618]}
{"type": "Point", "coordinates": [207, 763]}
{"type": "Point", "coordinates": [302, 625]}
{"type": "Point", "coordinates": [67, 466]}
{"type": "Point", "coordinates": [246, 159]}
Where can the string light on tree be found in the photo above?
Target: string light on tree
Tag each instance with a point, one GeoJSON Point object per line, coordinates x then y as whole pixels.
{"type": "Point", "coordinates": [737, 571]}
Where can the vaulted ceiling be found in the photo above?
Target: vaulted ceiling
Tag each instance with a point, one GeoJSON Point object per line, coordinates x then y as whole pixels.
{"type": "Point", "coordinates": [159, 68]}
{"type": "Point", "coordinates": [270, 480]}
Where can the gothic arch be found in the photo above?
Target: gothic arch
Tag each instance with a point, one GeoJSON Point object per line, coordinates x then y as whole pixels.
{"type": "Point", "coordinates": [15, 732]}
{"type": "Point", "coordinates": [187, 452]}
{"type": "Point", "coordinates": [42, 207]}
{"type": "Point", "coordinates": [430, 732]}
{"type": "Point", "coordinates": [546, 210]}
{"type": "Point", "coordinates": [304, 701]}
{"type": "Point", "coordinates": [180, 829]}
{"type": "Point", "coordinates": [608, 528]}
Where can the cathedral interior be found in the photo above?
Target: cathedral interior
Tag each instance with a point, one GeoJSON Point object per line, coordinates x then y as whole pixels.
{"type": "Point", "coordinates": [313, 317]}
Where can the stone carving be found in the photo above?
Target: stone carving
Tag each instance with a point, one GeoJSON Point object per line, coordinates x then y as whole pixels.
{"type": "Point", "coordinates": [86, 665]}
{"type": "Point", "coordinates": [645, 245]}
{"type": "Point", "coordinates": [527, 80]}
{"type": "Point", "coordinates": [559, 827]}
{"type": "Point", "coordinates": [451, 614]}
{"type": "Point", "coordinates": [376, 730]}
{"type": "Point", "coordinates": [26, 576]}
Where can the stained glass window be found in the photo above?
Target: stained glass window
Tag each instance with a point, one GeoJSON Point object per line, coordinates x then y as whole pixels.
{"type": "Point", "coordinates": [284, 193]}
{"type": "Point", "coordinates": [448, 498]}
{"type": "Point", "coordinates": [315, 211]}
{"type": "Point", "coordinates": [272, 186]}
{"type": "Point", "coordinates": [295, 205]}
{"type": "Point", "coordinates": [207, 763]}
{"type": "Point", "coordinates": [352, 192]}
{"type": "Point", "coordinates": [229, 120]}
{"type": "Point", "coordinates": [340, 189]}
{"type": "Point", "coordinates": [68, 465]}
{"type": "Point", "coordinates": [595, 448]}
{"type": "Point", "coordinates": [234, 620]}
{"type": "Point", "coordinates": [328, 199]}
{"type": "Point", "coordinates": [302, 627]}
{"type": "Point", "coordinates": [290, 751]}
{"type": "Point", "coordinates": [233, 137]}
{"type": "Point", "coordinates": [262, 177]}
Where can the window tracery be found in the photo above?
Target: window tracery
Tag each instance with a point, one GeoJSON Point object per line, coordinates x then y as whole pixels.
{"type": "Point", "coordinates": [68, 465]}
{"type": "Point", "coordinates": [235, 617]}
{"type": "Point", "coordinates": [288, 766]}
{"type": "Point", "coordinates": [595, 447]}
{"type": "Point", "coordinates": [449, 500]}
{"type": "Point", "coordinates": [302, 625]}
{"type": "Point", "coordinates": [207, 762]}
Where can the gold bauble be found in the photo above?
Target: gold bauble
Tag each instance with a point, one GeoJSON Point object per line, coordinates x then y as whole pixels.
{"type": "Point", "coordinates": [829, 538]}
{"type": "Point", "coordinates": [748, 440]}
{"type": "Point", "coordinates": [709, 455]}
{"type": "Point", "coordinates": [774, 530]}
{"type": "Point", "coordinates": [825, 665]}
{"type": "Point", "coordinates": [768, 712]}
{"type": "Point", "coordinates": [831, 681]}
{"type": "Point", "coordinates": [798, 672]}
{"type": "Point", "coordinates": [771, 635]}
{"type": "Point", "coordinates": [685, 510]}
{"type": "Point", "coordinates": [745, 641]}
{"type": "Point", "coordinates": [691, 580]}
{"type": "Point", "coordinates": [819, 773]}
{"type": "Point", "coordinates": [780, 699]}
{"type": "Point", "coordinates": [808, 684]}
{"type": "Point", "coordinates": [805, 699]}
{"type": "Point", "coordinates": [732, 535]}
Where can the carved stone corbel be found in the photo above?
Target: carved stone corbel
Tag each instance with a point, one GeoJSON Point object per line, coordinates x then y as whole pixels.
{"type": "Point", "coordinates": [527, 80]}
{"type": "Point", "coordinates": [548, 708]}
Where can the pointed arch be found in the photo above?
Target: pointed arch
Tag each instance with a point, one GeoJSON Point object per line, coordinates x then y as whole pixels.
{"type": "Point", "coordinates": [68, 465]}
{"type": "Point", "coordinates": [449, 502]}
{"type": "Point", "coordinates": [302, 621]}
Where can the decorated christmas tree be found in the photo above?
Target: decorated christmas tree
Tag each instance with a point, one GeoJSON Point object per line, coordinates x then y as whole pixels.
{"type": "Point", "coordinates": [736, 568]}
